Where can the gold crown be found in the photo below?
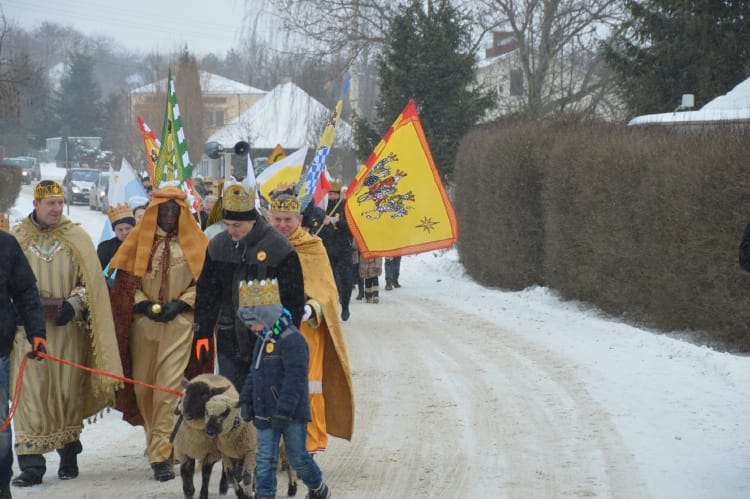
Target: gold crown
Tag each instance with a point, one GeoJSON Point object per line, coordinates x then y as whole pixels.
{"type": "Point", "coordinates": [335, 186]}
{"type": "Point", "coordinates": [50, 189]}
{"type": "Point", "coordinates": [237, 199]}
{"type": "Point", "coordinates": [4, 222]}
{"type": "Point", "coordinates": [256, 293]}
{"type": "Point", "coordinates": [285, 202]}
{"type": "Point", "coordinates": [119, 212]}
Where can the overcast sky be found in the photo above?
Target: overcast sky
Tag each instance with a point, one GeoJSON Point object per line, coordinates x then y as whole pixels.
{"type": "Point", "coordinates": [142, 25]}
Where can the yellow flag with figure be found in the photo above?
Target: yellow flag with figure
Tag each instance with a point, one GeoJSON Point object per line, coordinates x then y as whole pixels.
{"type": "Point", "coordinates": [397, 205]}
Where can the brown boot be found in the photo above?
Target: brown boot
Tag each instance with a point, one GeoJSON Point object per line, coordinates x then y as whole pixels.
{"type": "Point", "coordinates": [388, 284]}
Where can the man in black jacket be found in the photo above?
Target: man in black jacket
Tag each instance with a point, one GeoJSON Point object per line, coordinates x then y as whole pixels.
{"type": "Point", "coordinates": [248, 249]}
{"type": "Point", "coordinates": [337, 238]}
{"type": "Point", "coordinates": [19, 303]}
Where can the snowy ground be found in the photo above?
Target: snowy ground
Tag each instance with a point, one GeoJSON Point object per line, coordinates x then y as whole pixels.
{"type": "Point", "coordinates": [463, 391]}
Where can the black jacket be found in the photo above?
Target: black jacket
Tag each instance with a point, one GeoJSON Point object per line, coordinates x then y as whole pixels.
{"type": "Point", "coordinates": [19, 296]}
{"type": "Point", "coordinates": [263, 253]}
{"type": "Point", "coordinates": [337, 238]}
{"type": "Point", "coordinates": [107, 249]}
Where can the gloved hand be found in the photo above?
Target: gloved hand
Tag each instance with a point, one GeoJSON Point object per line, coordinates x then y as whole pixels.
{"type": "Point", "coordinates": [307, 313]}
{"type": "Point", "coordinates": [246, 411]}
{"type": "Point", "coordinates": [40, 346]}
{"type": "Point", "coordinates": [170, 310]}
{"type": "Point", "coordinates": [279, 422]}
{"type": "Point", "coordinates": [66, 314]}
{"type": "Point", "coordinates": [144, 308]}
{"type": "Point", "coordinates": [201, 350]}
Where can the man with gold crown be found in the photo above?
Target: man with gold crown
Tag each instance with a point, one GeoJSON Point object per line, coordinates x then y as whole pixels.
{"type": "Point", "coordinates": [152, 301]}
{"type": "Point", "coordinates": [331, 393]}
{"type": "Point", "coordinates": [123, 221]}
{"type": "Point", "coordinates": [248, 249]}
{"type": "Point", "coordinates": [57, 398]}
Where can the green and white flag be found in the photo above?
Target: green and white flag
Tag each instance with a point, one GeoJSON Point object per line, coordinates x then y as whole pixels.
{"type": "Point", "coordinates": [173, 163]}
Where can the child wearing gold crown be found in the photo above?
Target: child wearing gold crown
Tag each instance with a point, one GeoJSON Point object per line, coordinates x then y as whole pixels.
{"type": "Point", "coordinates": [275, 395]}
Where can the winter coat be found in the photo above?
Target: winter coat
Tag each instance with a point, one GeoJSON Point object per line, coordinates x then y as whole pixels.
{"type": "Point", "coordinates": [370, 267]}
{"type": "Point", "coordinates": [277, 382]}
{"type": "Point", "coordinates": [336, 236]}
{"type": "Point", "coordinates": [107, 249]}
{"type": "Point", "coordinates": [263, 253]}
{"type": "Point", "coordinates": [19, 295]}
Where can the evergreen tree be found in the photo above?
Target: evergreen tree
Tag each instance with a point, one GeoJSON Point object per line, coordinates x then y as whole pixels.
{"type": "Point", "coordinates": [77, 106]}
{"type": "Point", "coordinates": [190, 99]}
{"type": "Point", "coordinates": [427, 59]}
{"type": "Point", "coordinates": [671, 47]}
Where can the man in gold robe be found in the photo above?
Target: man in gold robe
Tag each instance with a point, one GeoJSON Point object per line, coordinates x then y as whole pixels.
{"type": "Point", "coordinates": [57, 398]}
{"type": "Point", "coordinates": [331, 394]}
{"type": "Point", "coordinates": [153, 298]}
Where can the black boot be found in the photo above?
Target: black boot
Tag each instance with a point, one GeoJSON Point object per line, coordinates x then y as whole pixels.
{"type": "Point", "coordinates": [321, 492]}
{"type": "Point", "coordinates": [162, 471]}
{"type": "Point", "coordinates": [69, 460]}
{"type": "Point", "coordinates": [33, 467]}
{"type": "Point", "coordinates": [27, 478]}
{"type": "Point", "coordinates": [388, 284]}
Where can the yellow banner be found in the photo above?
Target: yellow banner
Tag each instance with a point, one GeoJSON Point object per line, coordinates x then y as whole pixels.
{"type": "Point", "coordinates": [397, 204]}
{"type": "Point", "coordinates": [284, 171]}
{"type": "Point", "coordinates": [277, 154]}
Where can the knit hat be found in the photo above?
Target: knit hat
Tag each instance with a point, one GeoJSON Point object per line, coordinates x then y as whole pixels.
{"type": "Point", "coordinates": [313, 217]}
{"type": "Point", "coordinates": [137, 201]}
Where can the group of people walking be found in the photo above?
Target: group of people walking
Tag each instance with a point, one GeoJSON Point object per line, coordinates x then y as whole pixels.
{"type": "Point", "coordinates": [174, 308]}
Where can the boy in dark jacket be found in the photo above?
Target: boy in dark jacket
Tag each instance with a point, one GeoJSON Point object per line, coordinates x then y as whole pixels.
{"type": "Point", "coordinates": [275, 395]}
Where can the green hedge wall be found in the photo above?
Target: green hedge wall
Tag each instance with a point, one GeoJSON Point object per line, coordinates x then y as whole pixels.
{"type": "Point", "coordinates": [643, 223]}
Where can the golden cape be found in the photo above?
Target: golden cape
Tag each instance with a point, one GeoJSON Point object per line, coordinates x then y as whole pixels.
{"type": "Point", "coordinates": [99, 326]}
{"type": "Point", "coordinates": [337, 380]}
{"type": "Point", "coordinates": [132, 258]}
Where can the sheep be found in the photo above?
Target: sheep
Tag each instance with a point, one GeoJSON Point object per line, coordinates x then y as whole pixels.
{"type": "Point", "coordinates": [236, 440]}
{"type": "Point", "coordinates": [189, 437]}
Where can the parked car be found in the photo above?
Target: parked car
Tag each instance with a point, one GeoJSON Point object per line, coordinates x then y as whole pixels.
{"type": "Point", "coordinates": [78, 183]}
{"type": "Point", "coordinates": [98, 195]}
{"type": "Point", "coordinates": [28, 166]}
{"type": "Point", "coordinates": [31, 165]}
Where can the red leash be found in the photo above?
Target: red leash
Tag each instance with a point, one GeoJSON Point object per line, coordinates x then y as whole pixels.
{"type": "Point", "coordinates": [19, 381]}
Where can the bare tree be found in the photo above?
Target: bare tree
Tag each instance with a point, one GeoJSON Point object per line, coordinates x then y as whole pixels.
{"type": "Point", "coordinates": [353, 31]}
{"type": "Point", "coordinates": [15, 73]}
{"type": "Point", "coordinates": [557, 50]}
